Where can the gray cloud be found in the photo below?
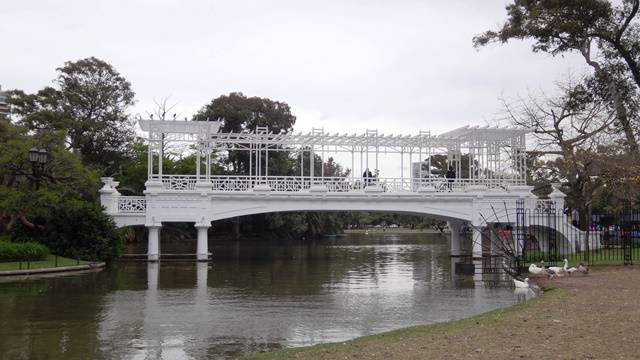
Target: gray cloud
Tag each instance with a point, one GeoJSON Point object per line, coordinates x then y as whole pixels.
{"type": "Point", "coordinates": [345, 65]}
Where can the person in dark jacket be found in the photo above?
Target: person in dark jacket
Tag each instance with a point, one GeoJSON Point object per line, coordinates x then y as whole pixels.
{"type": "Point", "coordinates": [451, 177]}
{"type": "Point", "coordinates": [367, 176]}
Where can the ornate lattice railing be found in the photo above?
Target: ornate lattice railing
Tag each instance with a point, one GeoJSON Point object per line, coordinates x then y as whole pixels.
{"type": "Point", "coordinates": [544, 206]}
{"type": "Point", "coordinates": [332, 184]}
{"type": "Point", "coordinates": [179, 182]}
{"type": "Point", "coordinates": [132, 204]}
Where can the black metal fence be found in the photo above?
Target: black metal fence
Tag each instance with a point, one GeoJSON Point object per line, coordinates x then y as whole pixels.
{"type": "Point", "coordinates": [552, 235]}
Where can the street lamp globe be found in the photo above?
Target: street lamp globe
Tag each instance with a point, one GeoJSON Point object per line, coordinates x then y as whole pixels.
{"type": "Point", "coordinates": [34, 155]}
{"type": "Point", "coordinates": [43, 155]}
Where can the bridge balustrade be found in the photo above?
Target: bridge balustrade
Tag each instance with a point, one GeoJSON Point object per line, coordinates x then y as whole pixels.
{"type": "Point", "coordinates": [131, 204]}
{"type": "Point", "coordinates": [332, 184]}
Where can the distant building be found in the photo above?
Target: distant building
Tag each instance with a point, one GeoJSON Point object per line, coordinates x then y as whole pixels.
{"type": "Point", "coordinates": [4, 106]}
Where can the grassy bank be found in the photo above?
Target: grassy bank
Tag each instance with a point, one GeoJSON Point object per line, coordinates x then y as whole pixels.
{"type": "Point", "coordinates": [582, 317]}
{"type": "Point", "coordinates": [49, 262]}
{"type": "Point", "coordinates": [601, 257]}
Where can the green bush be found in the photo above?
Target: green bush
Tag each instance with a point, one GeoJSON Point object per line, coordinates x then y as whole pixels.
{"type": "Point", "coordinates": [75, 229]}
{"type": "Point", "coordinates": [82, 230]}
{"type": "Point", "coordinates": [26, 251]}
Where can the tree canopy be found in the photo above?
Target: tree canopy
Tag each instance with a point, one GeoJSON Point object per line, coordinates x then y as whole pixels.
{"type": "Point", "coordinates": [558, 26]}
{"type": "Point", "coordinates": [238, 113]}
{"type": "Point", "coordinates": [89, 106]}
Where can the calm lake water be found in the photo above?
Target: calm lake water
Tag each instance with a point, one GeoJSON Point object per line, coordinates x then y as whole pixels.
{"type": "Point", "coordinates": [254, 296]}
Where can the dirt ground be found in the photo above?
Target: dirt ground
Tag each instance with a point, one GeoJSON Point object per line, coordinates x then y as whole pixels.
{"type": "Point", "coordinates": [594, 316]}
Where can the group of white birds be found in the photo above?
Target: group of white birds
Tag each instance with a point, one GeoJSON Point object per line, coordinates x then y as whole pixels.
{"type": "Point", "coordinates": [551, 272]}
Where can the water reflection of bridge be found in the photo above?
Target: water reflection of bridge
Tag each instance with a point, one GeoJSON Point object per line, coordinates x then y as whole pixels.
{"type": "Point", "coordinates": [486, 176]}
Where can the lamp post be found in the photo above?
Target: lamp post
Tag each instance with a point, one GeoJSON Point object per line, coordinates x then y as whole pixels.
{"type": "Point", "coordinates": [38, 158]}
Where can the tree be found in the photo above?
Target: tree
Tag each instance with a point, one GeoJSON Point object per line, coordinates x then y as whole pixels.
{"type": "Point", "coordinates": [89, 105]}
{"type": "Point", "coordinates": [573, 132]}
{"type": "Point", "coordinates": [63, 176]}
{"type": "Point", "coordinates": [574, 25]}
{"type": "Point", "coordinates": [240, 113]}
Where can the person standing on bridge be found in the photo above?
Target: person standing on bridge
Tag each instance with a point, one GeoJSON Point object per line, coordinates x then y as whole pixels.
{"type": "Point", "coordinates": [451, 177]}
{"type": "Point", "coordinates": [367, 176]}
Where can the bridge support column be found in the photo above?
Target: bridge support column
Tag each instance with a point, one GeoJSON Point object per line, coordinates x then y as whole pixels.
{"type": "Point", "coordinates": [153, 248]}
{"type": "Point", "coordinates": [454, 227]}
{"type": "Point", "coordinates": [203, 242]}
{"type": "Point", "coordinates": [477, 240]}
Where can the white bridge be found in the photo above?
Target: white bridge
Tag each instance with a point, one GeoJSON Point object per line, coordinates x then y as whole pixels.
{"type": "Point", "coordinates": [468, 175]}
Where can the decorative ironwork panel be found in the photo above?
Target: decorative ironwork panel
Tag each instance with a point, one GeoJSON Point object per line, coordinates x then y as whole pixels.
{"type": "Point", "coordinates": [132, 204]}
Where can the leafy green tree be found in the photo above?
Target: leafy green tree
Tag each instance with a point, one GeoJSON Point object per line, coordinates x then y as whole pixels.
{"type": "Point", "coordinates": [63, 177]}
{"type": "Point", "coordinates": [88, 105]}
{"type": "Point", "coordinates": [563, 26]}
{"type": "Point", "coordinates": [241, 113]}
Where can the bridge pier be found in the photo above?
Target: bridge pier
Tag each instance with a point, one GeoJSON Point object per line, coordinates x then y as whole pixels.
{"type": "Point", "coordinates": [454, 227]}
{"type": "Point", "coordinates": [203, 242]}
{"type": "Point", "coordinates": [153, 247]}
{"type": "Point", "coordinates": [476, 236]}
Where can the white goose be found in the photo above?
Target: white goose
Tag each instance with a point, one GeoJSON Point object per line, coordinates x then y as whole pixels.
{"type": "Point", "coordinates": [557, 270]}
{"type": "Point", "coordinates": [571, 270]}
{"type": "Point", "coordinates": [536, 270]}
{"type": "Point", "coordinates": [521, 284]}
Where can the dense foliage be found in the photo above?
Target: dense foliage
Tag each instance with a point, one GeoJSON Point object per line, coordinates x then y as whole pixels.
{"type": "Point", "coordinates": [88, 107]}
{"type": "Point", "coordinates": [27, 251]}
{"type": "Point", "coordinates": [83, 126]}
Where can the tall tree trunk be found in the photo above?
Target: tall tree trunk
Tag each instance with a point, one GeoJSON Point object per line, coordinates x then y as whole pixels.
{"type": "Point", "coordinates": [616, 98]}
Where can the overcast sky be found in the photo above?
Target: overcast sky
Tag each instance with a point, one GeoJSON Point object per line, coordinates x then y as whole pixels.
{"type": "Point", "coordinates": [346, 65]}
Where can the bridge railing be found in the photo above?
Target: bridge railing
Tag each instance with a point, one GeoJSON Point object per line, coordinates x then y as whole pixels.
{"type": "Point", "coordinates": [131, 204]}
{"type": "Point", "coordinates": [331, 184]}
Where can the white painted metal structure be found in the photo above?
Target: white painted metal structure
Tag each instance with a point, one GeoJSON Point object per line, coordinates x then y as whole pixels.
{"type": "Point", "coordinates": [491, 159]}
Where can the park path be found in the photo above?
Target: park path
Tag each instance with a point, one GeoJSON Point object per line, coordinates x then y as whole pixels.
{"type": "Point", "coordinates": [594, 316]}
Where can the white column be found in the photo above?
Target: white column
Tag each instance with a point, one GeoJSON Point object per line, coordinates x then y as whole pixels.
{"type": "Point", "coordinates": [153, 249]}
{"type": "Point", "coordinates": [266, 162]}
{"type": "Point", "coordinates": [454, 227]}
{"type": "Point", "coordinates": [477, 241]}
{"type": "Point", "coordinates": [203, 242]}
{"type": "Point", "coordinates": [150, 157]}
{"type": "Point", "coordinates": [402, 165]}
{"type": "Point", "coordinates": [476, 224]}
{"type": "Point", "coordinates": [311, 164]}
{"type": "Point", "coordinates": [198, 163]}
{"type": "Point", "coordinates": [160, 154]}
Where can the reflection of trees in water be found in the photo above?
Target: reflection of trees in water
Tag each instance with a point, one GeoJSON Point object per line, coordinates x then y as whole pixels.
{"type": "Point", "coordinates": [309, 267]}
{"type": "Point", "coordinates": [83, 316]}
{"type": "Point", "coordinates": [53, 318]}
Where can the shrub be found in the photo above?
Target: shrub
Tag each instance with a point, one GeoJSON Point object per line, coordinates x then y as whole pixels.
{"type": "Point", "coordinates": [82, 230]}
{"type": "Point", "coordinates": [75, 229]}
{"type": "Point", "coordinates": [26, 251]}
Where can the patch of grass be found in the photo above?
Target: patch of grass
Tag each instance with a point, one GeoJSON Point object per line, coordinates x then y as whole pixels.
{"type": "Point", "coordinates": [49, 262]}
{"type": "Point", "coordinates": [601, 257]}
{"type": "Point", "coordinates": [488, 320]}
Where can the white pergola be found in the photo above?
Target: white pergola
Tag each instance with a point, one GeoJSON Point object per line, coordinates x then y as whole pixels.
{"type": "Point", "coordinates": [489, 163]}
{"type": "Point", "coordinates": [496, 158]}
